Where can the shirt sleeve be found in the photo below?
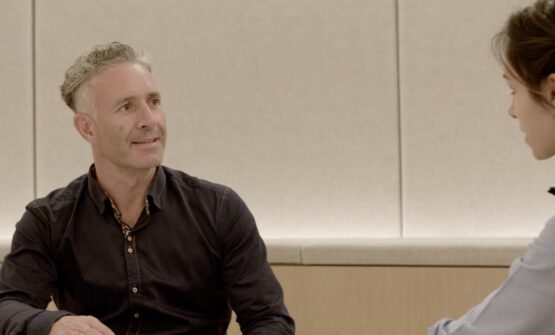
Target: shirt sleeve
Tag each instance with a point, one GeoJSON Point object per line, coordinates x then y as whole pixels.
{"type": "Point", "coordinates": [27, 280]}
{"type": "Point", "coordinates": [523, 304]}
{"type": "Point", "coordinates": [254, 292]}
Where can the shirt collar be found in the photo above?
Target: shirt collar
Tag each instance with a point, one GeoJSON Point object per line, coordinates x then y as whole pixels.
{"type": "Point", "coordinates": [102, 203]}
{"type": "Point", "coordinates": [155, 192]}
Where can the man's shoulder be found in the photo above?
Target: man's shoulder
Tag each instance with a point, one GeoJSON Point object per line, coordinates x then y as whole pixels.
{"type": "Point", "coordinates": [205, 195]}
{"type": "Point", "coordinates": [194, 184]}
{"type": "Point", "coordinates": [59, 199]}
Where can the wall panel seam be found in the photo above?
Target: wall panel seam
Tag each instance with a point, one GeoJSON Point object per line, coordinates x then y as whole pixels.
{"type": "Point", "coordinates": [399, 120]}
{"type": "Point", "coordinates": [34, 93]}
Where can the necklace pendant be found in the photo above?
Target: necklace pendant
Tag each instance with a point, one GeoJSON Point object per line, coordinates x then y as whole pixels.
{"type": "Point", "coordinates": [126, 231]}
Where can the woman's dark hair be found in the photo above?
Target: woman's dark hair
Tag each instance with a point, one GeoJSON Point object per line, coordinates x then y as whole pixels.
{"type": "Point", "coordinates": [526, 45]}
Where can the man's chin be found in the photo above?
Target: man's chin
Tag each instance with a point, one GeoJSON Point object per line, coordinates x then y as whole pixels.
{"type": "Point", "coordinates": [146, 164]}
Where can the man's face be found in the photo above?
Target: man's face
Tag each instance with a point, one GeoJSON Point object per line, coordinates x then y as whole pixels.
{"type": "Point", "coordinates": [127, 123]}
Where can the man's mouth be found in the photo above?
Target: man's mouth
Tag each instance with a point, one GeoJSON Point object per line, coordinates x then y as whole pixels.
{"type": "Point", "coordinates": [146, 140]}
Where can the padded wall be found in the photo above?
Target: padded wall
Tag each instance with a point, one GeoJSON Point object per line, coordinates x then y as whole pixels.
{"type": "Point", "coordinates": [466, 168]}
{"type": "Point", "coordinates": [296, 105]}
{"type": "Point", "coordinates": [16, 109]}
{"type": "Point", "coordinates": [291, 103]}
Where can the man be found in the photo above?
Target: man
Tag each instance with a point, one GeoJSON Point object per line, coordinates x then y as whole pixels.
{"type": "Point", "coordinates": [134, 247]}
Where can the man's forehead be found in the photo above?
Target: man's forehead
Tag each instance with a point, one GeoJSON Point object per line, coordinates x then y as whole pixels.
{"type": "Point", "coordinates": [121, 72]}
{"type": "Point", "coordinates": [123, 80]}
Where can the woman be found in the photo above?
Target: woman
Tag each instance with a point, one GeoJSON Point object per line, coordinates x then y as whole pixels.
{"type": "Point", "coordinates": [525, 303]}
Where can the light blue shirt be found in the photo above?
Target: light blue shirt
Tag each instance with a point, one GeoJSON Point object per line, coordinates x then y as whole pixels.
{"type": "Point", "coordinates": [523, 305]}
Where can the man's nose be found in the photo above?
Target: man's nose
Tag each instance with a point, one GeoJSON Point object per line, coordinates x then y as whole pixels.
{"type": "Point", "coordinates": [146, 116]}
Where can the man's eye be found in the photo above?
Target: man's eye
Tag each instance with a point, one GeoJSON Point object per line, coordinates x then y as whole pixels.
{"type": "Point", "coordinates": [155, 102]}
{"type": "Point", "coordinates": [125, 107]}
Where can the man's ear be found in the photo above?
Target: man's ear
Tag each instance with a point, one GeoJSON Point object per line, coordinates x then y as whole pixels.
{"type": "Point", "coordinates": [84, 125]}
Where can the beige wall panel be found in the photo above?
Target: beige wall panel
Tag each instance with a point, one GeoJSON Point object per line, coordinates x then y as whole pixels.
{"type": "Point", "coordinates": [353, 300]}
{"type": "Point", "coordinates": [16, 90]}
{"type": "Point", "coordinates": [292, 103]}
{"type": "Point", "coordinates": [466, 169]}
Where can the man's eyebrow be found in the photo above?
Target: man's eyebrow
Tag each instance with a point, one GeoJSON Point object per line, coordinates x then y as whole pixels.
{"type": "Point", "coordinates": [122, 100]}
{"type": "Point", "coordinates": [133, 97]}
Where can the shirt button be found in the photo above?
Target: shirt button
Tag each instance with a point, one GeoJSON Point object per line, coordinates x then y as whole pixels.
{"type": "Point", "coordinates": [136, 315]}
{"type": "Point", "coordinates": [130, 238]}
{"type": "Point", "coordinates": [130, 250]}
{"type": "Point", "coordinates": [135, 290]}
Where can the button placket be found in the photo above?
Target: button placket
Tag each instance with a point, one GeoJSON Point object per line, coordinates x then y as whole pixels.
{"type": "Point", "coordinates": [130, 250]}
{"type": "Point", "coordinates": [131, 262]}
{"type": "Point", "coordinates": [133, 281]}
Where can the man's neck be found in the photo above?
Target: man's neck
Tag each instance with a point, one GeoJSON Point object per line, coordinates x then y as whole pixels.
{"type": "Point", "coordinates": [127, 188]}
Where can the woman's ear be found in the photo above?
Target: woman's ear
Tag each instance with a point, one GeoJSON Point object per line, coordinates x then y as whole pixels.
{"type": "Point", "coordinates": [550, 88]}
{"type": "Point", "coordinates": [84, 125]}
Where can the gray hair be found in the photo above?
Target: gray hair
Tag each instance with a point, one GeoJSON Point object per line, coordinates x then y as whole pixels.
{"type": "Point", "coordinates": [89, 64]}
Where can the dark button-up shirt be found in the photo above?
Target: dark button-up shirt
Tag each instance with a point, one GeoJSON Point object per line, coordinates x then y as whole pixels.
{"type": "Point", "coordinates": [192, 255]}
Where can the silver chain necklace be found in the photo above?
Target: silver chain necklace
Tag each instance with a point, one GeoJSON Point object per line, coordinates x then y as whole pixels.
{"type": "Point", "coordinates": [125, 229]}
